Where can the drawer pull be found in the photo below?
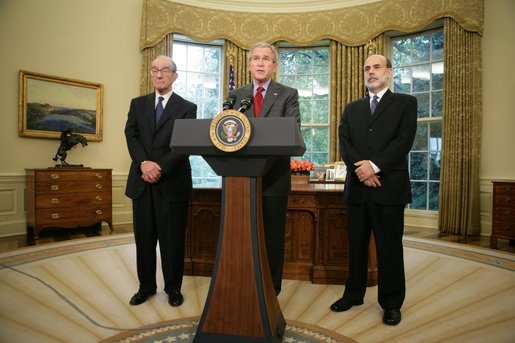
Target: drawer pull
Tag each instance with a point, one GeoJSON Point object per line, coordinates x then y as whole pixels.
{"type": "Point", "coordinates": [55, 216]}
{"type": "Point", "coordinates": [54, 201]}
{"type": "Point", "coordinates": [98, 186]}
{"type": "Point", "coordinates": [54, 187]}
{"type": "Point", "coordinates": [98, 212]}
{"type": "Point", "coordinates": [98, 197]}
{"type": "Point", "coordinates": [99, 176]}
{"type": "Point", "coordinates": [54, 176]}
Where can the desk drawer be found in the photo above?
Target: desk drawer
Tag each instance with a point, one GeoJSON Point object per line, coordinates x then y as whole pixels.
{"type": "Point", "coordinates": [64, 187]}
{"type": "Point", "coordinates": [80, 216]}
{"type": "Point", "coordinates": [61, 200]}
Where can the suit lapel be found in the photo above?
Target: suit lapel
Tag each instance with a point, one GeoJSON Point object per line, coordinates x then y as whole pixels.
{"type": "Point", "coordinates": [272, 93]}
{"type": "Point", "coordinates": [150, 112]}
{"type": "Point", "coordinates": [386, 100]}
{"type": "Point", "coordinates": [364, 109]}
{"type": "Point", "coordinates": [169, 110]}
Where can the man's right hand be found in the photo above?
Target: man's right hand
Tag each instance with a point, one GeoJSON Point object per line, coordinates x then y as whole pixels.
{"type": "Point", "coordinates": [372, 181]}
{"type": "Point", "coordinates": [150, 171]}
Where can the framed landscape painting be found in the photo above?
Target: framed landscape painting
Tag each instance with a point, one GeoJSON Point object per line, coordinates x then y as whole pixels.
{"type": "Point", "coordinates": [49, 105]}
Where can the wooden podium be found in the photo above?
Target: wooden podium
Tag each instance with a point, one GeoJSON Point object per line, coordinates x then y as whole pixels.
{"type": "Point", "coordinates": [241, 304]}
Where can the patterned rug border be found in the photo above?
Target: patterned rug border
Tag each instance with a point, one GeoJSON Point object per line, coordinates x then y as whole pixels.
{"type": "Point", "coordinates": [486, 256]}
{"type": "Point", "coordinates": [185, 329]}
{"type": "Point", "coordinates": [25, 255]}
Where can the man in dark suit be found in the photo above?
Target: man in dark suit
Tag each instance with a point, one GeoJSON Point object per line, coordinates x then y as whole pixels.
{"type": "Point", "coordinates": [159, 183]}
{"type": "Point", "coordinates": [277, 101]}
{"type": "Point", "coordinates": [376, 134]}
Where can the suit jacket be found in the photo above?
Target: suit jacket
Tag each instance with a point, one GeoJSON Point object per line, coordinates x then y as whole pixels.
{"type": "Point", "coordinates": [148, 141]}
{"type": "Point", "coordinates": [384, 138]}
{"type": "Point", "coordinates": [279, 101]}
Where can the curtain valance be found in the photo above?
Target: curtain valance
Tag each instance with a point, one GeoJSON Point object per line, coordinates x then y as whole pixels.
{"type": "Point", "coordinates": [351, 26]}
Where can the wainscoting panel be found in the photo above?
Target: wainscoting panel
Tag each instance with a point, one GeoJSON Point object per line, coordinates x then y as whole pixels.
{"type": "Point", "coordinates": [13, 222]}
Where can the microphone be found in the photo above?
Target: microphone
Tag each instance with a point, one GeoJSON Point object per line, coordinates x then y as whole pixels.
{"type": "Point", "coordinates": [229, 102]}
{"type": "Point", "coordinates": [245, 104]}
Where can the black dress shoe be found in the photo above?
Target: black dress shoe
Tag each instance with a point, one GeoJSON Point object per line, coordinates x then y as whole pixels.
{"type": "Point", "coordinates": [343, 304]}
{"type": "Point", "coordinates": [175, 299]}
{"type": "Point", "coordinates": [140, 297]}
{"type": "Point", "coordinates": [392, 317]}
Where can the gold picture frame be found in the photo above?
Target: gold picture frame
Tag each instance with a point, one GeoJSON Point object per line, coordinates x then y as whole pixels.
{"type": "Point", "coordinates": [50, 104]}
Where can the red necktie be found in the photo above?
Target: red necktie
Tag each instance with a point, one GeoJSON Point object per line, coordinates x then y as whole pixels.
{"type": "Point", "coordinates": [258, 101]}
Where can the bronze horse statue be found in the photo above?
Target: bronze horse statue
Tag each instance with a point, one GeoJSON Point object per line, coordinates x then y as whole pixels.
{"type": "Point", "coordinates": [68, 141]}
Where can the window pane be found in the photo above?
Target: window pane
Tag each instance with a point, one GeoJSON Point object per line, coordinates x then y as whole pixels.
{"type": "Point", "coordinates": [317, 144]}
{"type": "Point", "coordinates": [418, 69]}
{"type": "Point", "coordinates": [423, 104]}
{"type": "Point", "coordinates": [437, 75]}
{"type": "Point", "coordinates": [434, 166]}
{"type": "Point", "coordinates": [199, 69]}
{"type": "Point", "coordinates": [418, 165]}
{"type": "Point", "coordinates": [421, 75]}
{"type": "Point", "coordinates": [402, 80]}
{"type": "Point", "coordinates": [437, 104]}
{"type": "Point", "coordinates": [401, 52]}
{"type": "Point", "coordinates": [437, 47]}
{"type": "Point", "coordinates": [420, 142]}
{"type": "Point", "coordinates": [419, 193]}
{"type": "Point", "coordinates": [421, 48]}
{"type": "Point", "coordinates": [434, 190]}
{"type": "Point", "coordinates": [435, 137]}
{"type": "Point", "coordinates": [307, 69]}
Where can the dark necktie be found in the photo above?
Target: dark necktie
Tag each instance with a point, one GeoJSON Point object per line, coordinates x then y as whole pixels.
{"type": "Point", "coordinates": [258, 101]}
{"type": "Point", "coordinates": [159, 109]}
{"type": "Point", "coordinates": [373, 104]}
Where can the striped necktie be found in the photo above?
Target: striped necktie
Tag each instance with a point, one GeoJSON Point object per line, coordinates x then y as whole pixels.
{"type": "Point", "coordinates": [258, 101]}
{"type": "Point", "coordinates": [159, 109]}
{"type": "Point", "coordinates": [373, 104]}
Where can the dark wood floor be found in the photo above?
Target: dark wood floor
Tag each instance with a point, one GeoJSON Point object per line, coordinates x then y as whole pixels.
{"type": "Point", "coordinates": [57, 235]}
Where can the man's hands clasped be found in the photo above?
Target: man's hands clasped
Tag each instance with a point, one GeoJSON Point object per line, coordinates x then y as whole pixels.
{"type": "Point", "coordinates": [366, 174]}
{"type": "Point", "coordinates": [150, 171]}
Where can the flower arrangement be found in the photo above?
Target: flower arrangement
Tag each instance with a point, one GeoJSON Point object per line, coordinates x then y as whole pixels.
{"type": "Point", "coordinates": [301, 167]}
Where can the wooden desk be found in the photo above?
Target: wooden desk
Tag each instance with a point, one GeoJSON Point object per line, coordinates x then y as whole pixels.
{"type": "Point", "coordinates": [316, 247]}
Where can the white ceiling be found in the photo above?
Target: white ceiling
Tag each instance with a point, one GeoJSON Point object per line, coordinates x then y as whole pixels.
{"type": "Point", "coordinates": [274, 6]}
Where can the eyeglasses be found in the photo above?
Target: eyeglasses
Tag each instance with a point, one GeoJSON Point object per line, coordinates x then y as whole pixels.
{"type": "Point", "coordinates": [164, 71]}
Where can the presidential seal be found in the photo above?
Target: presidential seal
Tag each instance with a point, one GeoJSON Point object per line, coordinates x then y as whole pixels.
{"type": "Point", "coordinates": [230, 130]}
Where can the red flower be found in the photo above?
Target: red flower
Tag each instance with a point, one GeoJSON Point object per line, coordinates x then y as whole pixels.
{"type": "Point", "coordinates": [301, 167]}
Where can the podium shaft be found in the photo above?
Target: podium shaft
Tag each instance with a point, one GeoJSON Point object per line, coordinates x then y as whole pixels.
{"type": "Point", "coordinates": [241, 305]}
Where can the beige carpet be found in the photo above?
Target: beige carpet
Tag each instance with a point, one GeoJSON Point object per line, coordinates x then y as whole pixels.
{"type": "Point", "coordinates": [78, 291]}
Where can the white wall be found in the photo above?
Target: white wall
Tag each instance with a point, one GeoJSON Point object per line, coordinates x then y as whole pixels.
{"type": "Point", "coordinates": [90, 40]}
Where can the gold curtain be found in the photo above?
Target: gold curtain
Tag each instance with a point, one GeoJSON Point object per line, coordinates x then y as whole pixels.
{"type": "Point", "coordinates": [459, 174]}
{"type": "Point", "coordinates": [347, 81]}
{"type": "Point", "coordinates": [237, 57]}
{"type": "Point", "coordinates": [352, 26]}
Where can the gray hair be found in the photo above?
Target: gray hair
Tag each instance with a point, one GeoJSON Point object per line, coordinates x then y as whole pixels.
{"type": "Point", "coordinates": [172, 63]}
{"type": "Point", "coordinates": [275, 54]}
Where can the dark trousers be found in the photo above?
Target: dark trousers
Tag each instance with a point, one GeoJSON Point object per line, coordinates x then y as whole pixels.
{"type": "Point", "coordinates": [387, 224]}
{"type": "Point", "coordinates": [274, 222]}
{"type": "Point", "coordinates": [159, 220]}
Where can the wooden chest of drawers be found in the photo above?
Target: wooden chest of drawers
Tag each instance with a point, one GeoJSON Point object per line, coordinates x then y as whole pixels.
{"type": "Point", "coordinates": [503, 212]}
{"type": "Point", "coordinates": [68, 198]}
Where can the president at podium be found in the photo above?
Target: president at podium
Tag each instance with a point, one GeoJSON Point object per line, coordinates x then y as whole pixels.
{"type": "Point", "coordinates": [270, 99]}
